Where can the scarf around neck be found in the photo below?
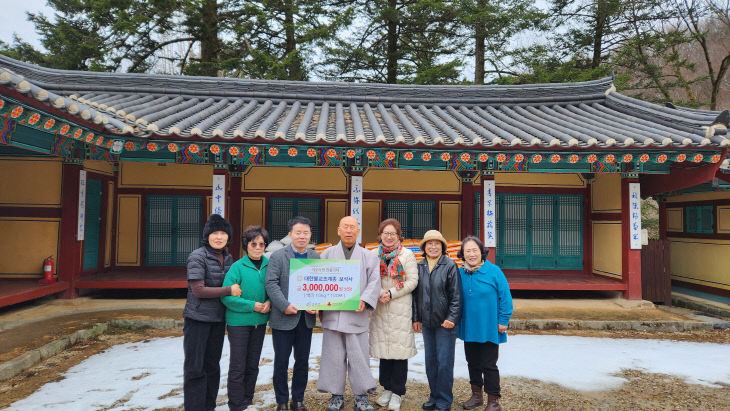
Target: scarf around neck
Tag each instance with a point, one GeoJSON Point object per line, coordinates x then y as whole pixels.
{"type": "Point", "coordinates": [395, 268]}
{"type": "Point", "coordinates": [469, 269]}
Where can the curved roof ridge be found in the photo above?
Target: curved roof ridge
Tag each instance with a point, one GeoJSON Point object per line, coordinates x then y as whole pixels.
{"type": "Point", "coordinates": [85, 81]}
{"type": "Point", "coordinates": [671, 105]}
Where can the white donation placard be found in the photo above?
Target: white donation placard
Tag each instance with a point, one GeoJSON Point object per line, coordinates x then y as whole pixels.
{"type": "Point", "coordinates": [316, 284]}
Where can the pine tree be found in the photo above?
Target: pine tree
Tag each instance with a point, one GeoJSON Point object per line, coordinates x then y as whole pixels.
{"type": "Point", "coordinates": [489, 27]}
{"type": "Point", "coordinates": [396, 41]}
{"type": "Point", "coordinates": [258, 39]}
{"type": "Point", "coordinates": [277, 39]}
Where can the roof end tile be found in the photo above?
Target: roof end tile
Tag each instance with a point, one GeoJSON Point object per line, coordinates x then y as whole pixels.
{"type": "Point", "coordinates": [60, 102]}
{"type": "Point", "coordinates": [23, 86]}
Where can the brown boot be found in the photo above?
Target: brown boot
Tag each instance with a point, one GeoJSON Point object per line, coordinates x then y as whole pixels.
{"type": "Point", "coordinates": [492, 403]}
{"type": "Point", "coordinates": [477, 398]}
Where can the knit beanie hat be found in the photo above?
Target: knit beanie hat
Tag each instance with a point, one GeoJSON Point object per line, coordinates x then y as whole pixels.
{"type": "Point", "coordinates": [216, 223]}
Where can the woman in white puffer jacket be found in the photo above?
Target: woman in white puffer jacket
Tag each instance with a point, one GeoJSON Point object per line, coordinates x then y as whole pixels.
{"type": "Point", "coordinates": [391, 330]}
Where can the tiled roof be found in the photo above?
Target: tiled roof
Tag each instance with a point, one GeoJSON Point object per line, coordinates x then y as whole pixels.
{"type": "Point", "coordinates": [579, 115]}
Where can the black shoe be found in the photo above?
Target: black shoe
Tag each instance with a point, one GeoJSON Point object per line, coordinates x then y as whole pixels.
{"type": "Point", "coordinates": [429, 405]}
{"type": "Point", "coordinates": [282, 407]}
{"type": "Point", "coordinates": [297, 406]}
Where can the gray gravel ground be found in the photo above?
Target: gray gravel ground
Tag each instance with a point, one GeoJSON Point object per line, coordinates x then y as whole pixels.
{"type": "Point", "coordinates": [643, 391]}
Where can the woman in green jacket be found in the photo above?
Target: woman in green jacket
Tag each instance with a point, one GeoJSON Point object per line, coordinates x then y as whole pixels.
{"type": "Point", "coordinates": [246, 317]}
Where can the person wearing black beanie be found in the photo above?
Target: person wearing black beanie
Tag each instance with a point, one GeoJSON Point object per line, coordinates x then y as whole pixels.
{"type": "Point", "coordinates": [216, 223]}
{"type": "Point", "coordinates": [204, 314]}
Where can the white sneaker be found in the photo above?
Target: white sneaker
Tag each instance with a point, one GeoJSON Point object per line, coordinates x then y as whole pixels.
{"type": "Point", "coordinates": [384, 399]}
{"type": "Point", "coordinates": [394, 403]}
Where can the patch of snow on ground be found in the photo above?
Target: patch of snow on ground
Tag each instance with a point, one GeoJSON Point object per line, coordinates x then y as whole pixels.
{"type": "Point", "coordinates": [149, 375]}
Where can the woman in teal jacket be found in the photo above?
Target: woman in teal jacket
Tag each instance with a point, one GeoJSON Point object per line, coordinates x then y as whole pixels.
{"type": "Point", "coordinates": [486, 311]}
{"type": "Point", "coordinates": [246, 318]}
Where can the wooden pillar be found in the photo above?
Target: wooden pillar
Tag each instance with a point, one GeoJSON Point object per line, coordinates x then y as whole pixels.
{"type": "Point", "coordinates": [492, 256]}
{"type": "Point", "coordinates": [235, 213]}
{"type": "Point", "coordinates": [588, 229]}
{"type": "Point", "coordinates": [631, 261]}
{"type": "Point", "coordinates": [69, 255]}
{"type": "Point", "coordinates": [663, 219]}
{"type": "Point", "coordinates": [115, 214]}
{"type": "Point", "coordinates": [467, 206]}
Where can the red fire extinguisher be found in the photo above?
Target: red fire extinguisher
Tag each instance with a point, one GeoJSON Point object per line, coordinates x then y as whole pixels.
{"type": "Point", "coordinates": [48, 269]}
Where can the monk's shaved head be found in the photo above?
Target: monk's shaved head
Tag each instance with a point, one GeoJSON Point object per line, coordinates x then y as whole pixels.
{"type": "Point", "coordinates": [348, 230]}
{"type": "Point", "coordinates": [349, 220]}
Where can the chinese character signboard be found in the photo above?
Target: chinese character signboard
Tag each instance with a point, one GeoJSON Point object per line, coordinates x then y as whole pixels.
{"type": "Point", "coordinates": [635, 215]}
{"type": "Point", "coordinates": [218, 204]}
{"type": "Point", "coordinates": [490, 220]}
{"type": "Point", "coordinates": [356, 202]}
{"type": "Point", "coordinates": [324, 284]}
{"type": "Point", "coordinates": [82, 206]}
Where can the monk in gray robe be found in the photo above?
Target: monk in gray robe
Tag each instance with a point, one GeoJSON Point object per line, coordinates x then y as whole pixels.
{"type": "Point", "coordinates": [345, 350]}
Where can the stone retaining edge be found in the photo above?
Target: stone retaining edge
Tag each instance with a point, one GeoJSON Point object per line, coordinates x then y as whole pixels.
{"type": "Point", "coordinates": [661, 326]}
{"type": "Point", "coordinates": [147, 323]}
{"type": "Point", "coordinates": [680, 300]}
{"type": "Point", "coordinates": [27, 360]}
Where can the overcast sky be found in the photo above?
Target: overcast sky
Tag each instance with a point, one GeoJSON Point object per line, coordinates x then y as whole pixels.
{"type": "Point", "coordinates": [14, 20]}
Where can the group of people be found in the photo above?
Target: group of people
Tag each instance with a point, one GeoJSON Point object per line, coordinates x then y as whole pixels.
{"type": "Point", "coordinates": [398, 297]}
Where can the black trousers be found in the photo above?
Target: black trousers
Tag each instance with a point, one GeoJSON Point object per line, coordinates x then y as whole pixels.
{"type": "Point", "coordinates": [246, 343]}
{"type": "Point", "coordinates": [393, 375]}
{"type": "Point", "coordinates": [481, 358]}
{"type": "Point", "coordinates": [202, 344]}
{"type": "Point", "coordinates": [299, 339]}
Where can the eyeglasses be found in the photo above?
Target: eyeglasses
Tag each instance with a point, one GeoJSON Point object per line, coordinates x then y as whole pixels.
{"type": "Point", "coordinates": [257, 245]}
{"type": "Point", "coordinates": [386, 234]}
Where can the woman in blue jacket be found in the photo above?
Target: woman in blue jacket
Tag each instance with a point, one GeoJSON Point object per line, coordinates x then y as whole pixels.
{"type": "Point", "coordinates": [486, 311]}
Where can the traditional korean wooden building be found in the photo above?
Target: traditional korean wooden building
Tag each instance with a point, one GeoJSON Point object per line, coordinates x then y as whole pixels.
{"type": "Point", "coordinates": [561, 158]}
{"type": "Point", "coordinates": [696, 223]}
